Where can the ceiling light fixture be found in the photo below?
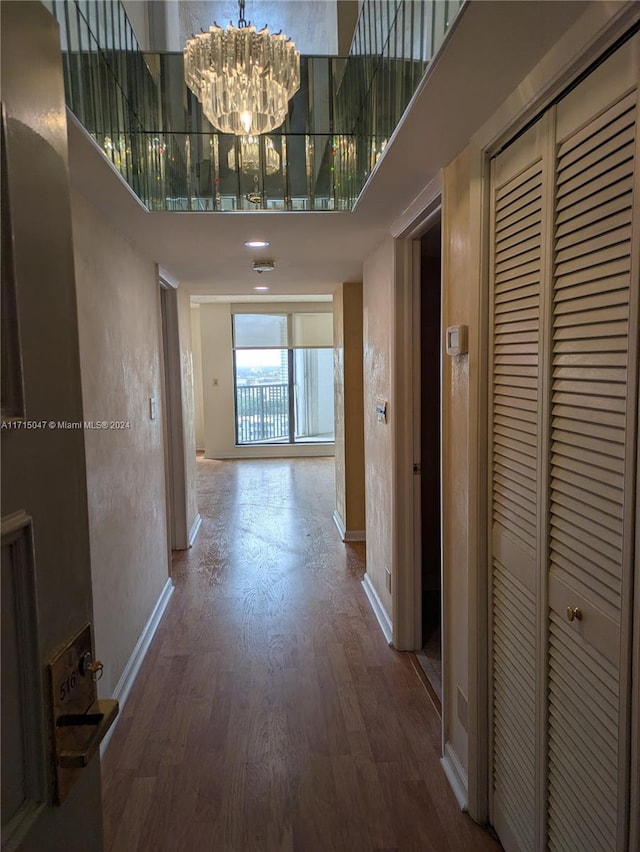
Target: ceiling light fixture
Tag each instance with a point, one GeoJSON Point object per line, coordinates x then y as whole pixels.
{"type": "Point", "coordinates": [243, 78]}
{"type": "Point", "coordinates": [261, 289]}
{"type": "Point", "coordinates": [257, 243]}
{"type": "Point", "coordinates": [263, 265]}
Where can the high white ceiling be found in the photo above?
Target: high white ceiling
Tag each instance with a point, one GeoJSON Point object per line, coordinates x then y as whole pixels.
{"type": "Point", "coordinates": [492, 48]}
{"type": "Point", "coordinates": [312, 24]}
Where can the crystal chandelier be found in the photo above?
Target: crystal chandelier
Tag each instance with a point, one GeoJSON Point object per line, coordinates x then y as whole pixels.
{"type": "Point", "coordinates": [249, 150]}
{"type": "Point", "coordinates": [243, 78]}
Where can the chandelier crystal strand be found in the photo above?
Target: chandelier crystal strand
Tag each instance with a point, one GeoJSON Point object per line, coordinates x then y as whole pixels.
{"type": "Point", "coordinates": [243, 78]}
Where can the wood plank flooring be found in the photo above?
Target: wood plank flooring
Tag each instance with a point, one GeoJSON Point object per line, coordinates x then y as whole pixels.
{"type": "Point", "coordinates": [269, 714]}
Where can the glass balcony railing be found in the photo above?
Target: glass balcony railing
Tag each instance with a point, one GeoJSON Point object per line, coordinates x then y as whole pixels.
{"type": "Point", "coordinates": [392, 46]}
{"type": "Point", "coordinates": [209, 172]}
{"type": "Point", "coordinates": [136, 107]}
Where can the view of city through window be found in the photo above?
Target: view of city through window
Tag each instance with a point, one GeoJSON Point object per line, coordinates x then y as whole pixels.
{"type": "Point", "coordinates": [283, 391]}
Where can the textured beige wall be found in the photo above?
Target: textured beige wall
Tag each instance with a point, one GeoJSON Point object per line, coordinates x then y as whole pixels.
{"type": "Point", "coordinates": [118, 317]}
{"type": "Point", "coordinates": [353, 407]}
{"type": "Point", "coordinates": [460, 265]}
{"type": "Point", "coordinates": [338, 403]}
{"type": "Point", "coordinates": [378, 312]}
{"type": "Point", "coordinates": [217, 366]}
{"type": "Point", "coordinates": [188, 406]}
{"type": "Point", "coordinates": [196, 341]}
{"type": "Point", "coordinates": [354, 404]}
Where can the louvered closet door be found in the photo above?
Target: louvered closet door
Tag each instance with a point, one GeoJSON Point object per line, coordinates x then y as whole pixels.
{"type": "Point", "coordinates": [592, 457]}
{"type": "Point", "coordinates": [519, 198]}
{"type": "Point", "coordinates": [563, 428]}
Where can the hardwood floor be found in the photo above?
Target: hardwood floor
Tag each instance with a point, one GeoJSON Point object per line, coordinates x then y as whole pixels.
{"type": "Point", "coordinates": [269, 713]}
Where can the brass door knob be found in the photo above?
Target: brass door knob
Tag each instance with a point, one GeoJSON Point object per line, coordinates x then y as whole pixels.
{"type": "Point", "coordinates": [574, 612]}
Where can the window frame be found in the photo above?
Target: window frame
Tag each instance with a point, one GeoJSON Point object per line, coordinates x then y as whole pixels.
{"type": "Point", "coordinates": [290, 348]}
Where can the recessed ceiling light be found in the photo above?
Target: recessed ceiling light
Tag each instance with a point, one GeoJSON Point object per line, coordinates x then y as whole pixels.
{"type": "Point", "coordinates": [261, 289]}
{"type": "Point", "coordinates": [257, 243]}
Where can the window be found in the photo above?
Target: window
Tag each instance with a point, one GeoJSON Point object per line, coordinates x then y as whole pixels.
{"type": "Point", "coordinates": [283, 369]}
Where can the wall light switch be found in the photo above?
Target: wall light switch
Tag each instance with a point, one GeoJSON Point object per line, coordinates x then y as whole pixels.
{"type": "Point", "coordinates": [152, 408]}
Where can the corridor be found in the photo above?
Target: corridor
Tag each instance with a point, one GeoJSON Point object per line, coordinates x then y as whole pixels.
{"type": "Point", "coordinates": [269, 713]}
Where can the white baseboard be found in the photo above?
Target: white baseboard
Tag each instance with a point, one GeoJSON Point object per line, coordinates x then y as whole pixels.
{"type": "Point", "coordinates": [123, 687]}
{"type": "Point", "coordinates": [195, 528]}
{"type": "Point", "coordinates": [337, 520]}
{"type": "Point", "coordinates": [456, 776]}
{"type": "Point", "coordinates": [376, 605]}
{"type": "Point", "coordinates": [355, 535]}
{"type": "Point", "coordinates": [351, 535]}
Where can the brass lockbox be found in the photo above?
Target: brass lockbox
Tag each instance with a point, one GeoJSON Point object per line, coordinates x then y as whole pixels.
{"type": "Point", "coordinates": [79, 719]}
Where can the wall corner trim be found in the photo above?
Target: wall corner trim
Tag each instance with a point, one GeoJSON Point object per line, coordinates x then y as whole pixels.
{"type": "Point", "coordinates": [426, 202]}
{"type": "Point", "coordinates": [128, 677]}
{"type": "Point", "coordinates": [376, 605]}
{"type": "Point", "coordinates": [342, 530]}
{"type": "Point", "coordinates": [456, 776]}
{"type": "Point", "coordinates": [347, 535]}
{"type": "Point", "coordinates": [167, 278]}
{"type": "Point", "coordinates": [195, 529]}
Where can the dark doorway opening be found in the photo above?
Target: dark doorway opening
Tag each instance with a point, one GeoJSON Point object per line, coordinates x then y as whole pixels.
{"type": "Point", "coordinates": [430, 370]}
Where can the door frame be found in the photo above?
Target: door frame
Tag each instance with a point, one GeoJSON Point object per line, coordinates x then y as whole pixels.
{"type": "Point", "coordinates": [471, 791]}
{"type": "Point", "coordinates": [407, 540]}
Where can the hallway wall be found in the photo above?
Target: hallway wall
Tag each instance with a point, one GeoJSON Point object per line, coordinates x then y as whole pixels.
{"type": "Point", "coordinates": [378, 289]}
{"type": "Point", "coordinates": [188, 405]}
{"type": "Point", "coordinates": [119, 330]}
{"type": "Point", "coordinates": [217, 366]}
{"type": "Point", "coordinates": [461, 218]}
{"type": "Point", "coordinates": [196, 343]}
{"type": "Point", "coordinates": [348, 407]}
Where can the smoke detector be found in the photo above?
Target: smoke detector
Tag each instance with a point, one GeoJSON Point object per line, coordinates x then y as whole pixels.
{"type": "Point", "coordinates": [263, 265]}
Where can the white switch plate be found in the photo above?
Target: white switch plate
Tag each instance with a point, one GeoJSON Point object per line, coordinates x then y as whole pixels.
{"type": "Point", "coordinates": [152, 408]}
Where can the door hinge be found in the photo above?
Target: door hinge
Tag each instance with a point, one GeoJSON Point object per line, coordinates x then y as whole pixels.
{"type": "Point", "coordinates": [417, 467]}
